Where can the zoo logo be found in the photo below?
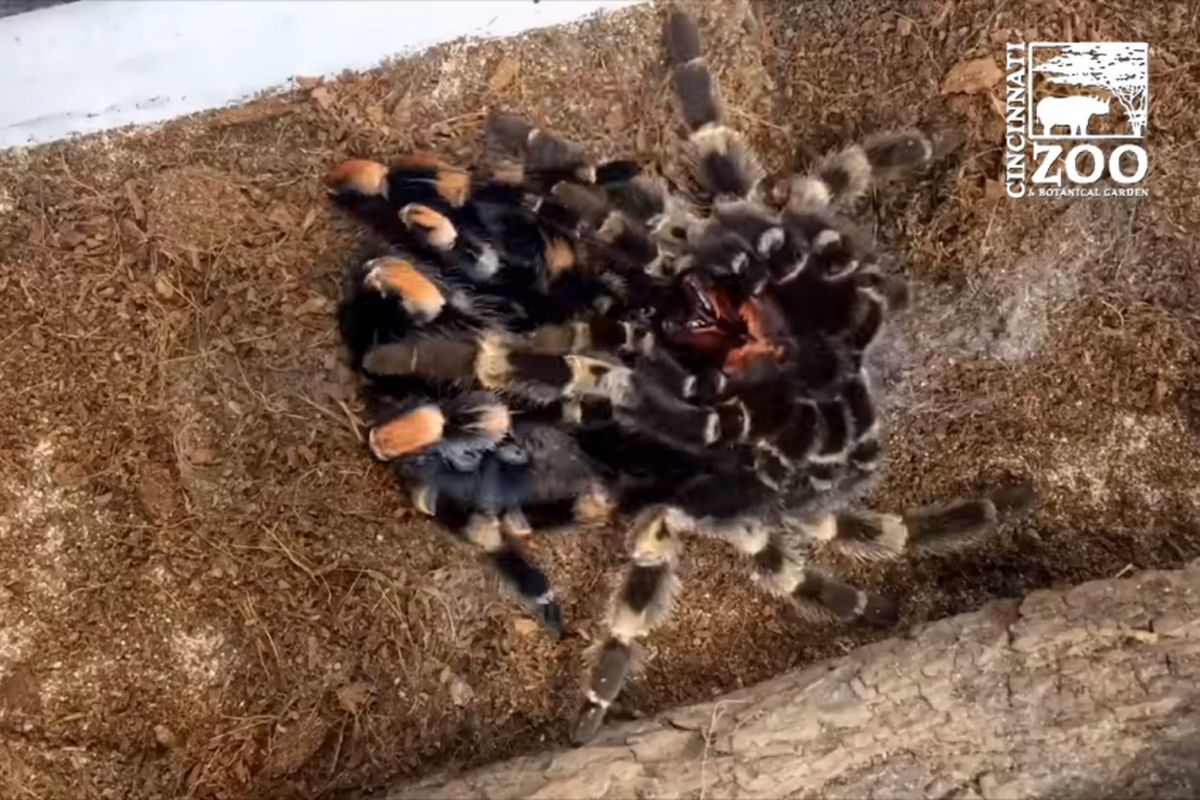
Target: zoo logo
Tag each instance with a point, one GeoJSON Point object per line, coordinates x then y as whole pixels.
{"type": "Point", "coordinates": [1062, 91]}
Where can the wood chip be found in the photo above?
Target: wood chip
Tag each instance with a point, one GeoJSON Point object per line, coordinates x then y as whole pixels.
{"type": "Point", "coordinates": [130, 228]}
{"type": "Point", "coordinates": [939, 18]}
{"type": "Point", "coordinates": [156, 492]}
{"type": "Point", "coordinates": [1161, 389]}
{"type": "Point", "coordinates": [525, 626]}
{"type": "Point", "coordinates": [354, 697]}
{"type": "Point", "coordinates": [309, 219]}
{"type": "Point", "coordinates": [313, 648]}
{"type": "Point", "coordinates": [322, 97]}
{"type": "Point", "coordinates": [165, 737]}
{"type": "Point", "coordinates": [461, 692]}
{"type": "Point", "coordinates": [615, 121]}
{"type": "Point", "coordinates": [972, 77]}
{"type": "Point", "coordinates": [135, 203]}
{"type": "Point", "coordinates": [313, 305]}
{"type": "Point", "coordinates": [282, 217]}
{"type": "Point", "coordinates": [307, 453]}
{"type": "Point", "coordinates": [506, 72]}
{"type": "Point", "coordinates": [163, 287]}
{"type": "Point", "coordinates": [293, 746]}
{"type": "Point", "coordinates": [71, 237]}
{"type": "Point", "coordinates": [255, 112]}
{"type": "Point", "coordinates": [69, 474]}
{"type": "Point", "coordinates": [203, 456]}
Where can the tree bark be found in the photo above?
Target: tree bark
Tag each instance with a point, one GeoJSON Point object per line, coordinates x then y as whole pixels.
{"type": "Point", "coordinates": [1086, 693]}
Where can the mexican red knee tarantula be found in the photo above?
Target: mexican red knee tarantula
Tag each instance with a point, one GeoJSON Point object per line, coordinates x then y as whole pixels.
{"type": "Point", "coordinates": [550, 339]}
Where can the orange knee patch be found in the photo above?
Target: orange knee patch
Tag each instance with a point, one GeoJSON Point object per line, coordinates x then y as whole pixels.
{"type": "Point", "coordinates": [407, 433]}
{"type": "Point", "coordinates": [365, 177]}
{"type": "Point", "coordinates": [419, 160]}
{"type": "Point", "coordinates": [453, 185]}
{"type": "Point", "coordinates": [560, 256]}
{"type": "Point", "coordinates": [418, 294]}
{"type": "Point", "coordinates": [437, 229]}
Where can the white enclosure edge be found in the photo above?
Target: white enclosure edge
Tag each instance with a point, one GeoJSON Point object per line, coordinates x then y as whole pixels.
{"type": "Point", "coordinates": [100, 64]}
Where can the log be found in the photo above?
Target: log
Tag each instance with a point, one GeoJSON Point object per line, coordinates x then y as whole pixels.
{"type": "Point", "coordinates": [1085, 693]}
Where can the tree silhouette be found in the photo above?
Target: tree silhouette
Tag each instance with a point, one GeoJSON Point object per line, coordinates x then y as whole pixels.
{"type": "Point", "coordinates": [1119, 67]}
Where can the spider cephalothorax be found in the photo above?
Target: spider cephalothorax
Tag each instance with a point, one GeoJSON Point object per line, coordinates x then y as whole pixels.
{"type": "Point", "coordinates": [554, 339]}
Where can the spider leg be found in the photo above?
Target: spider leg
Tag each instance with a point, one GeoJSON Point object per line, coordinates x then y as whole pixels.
{"type": "Point", "coordinates": [561, 185]}
{"type": "Point", "coordinates": [509, 561]}
{"type": "Point", "coordinates": [508, 242]}
{"type": "Point", "coordinates": [642, 601]}
{"type": "Point", "coordinates": [667, 216]}
{"type": "Point", "coordinates": [598, 334]}
{"type": "Point", "coordinates": [621, 215]}
{"type": "Point", "coordinates": [487, 497]}
{"type": "Point", "coordinates": [872, 536]}
{"type": "Point", "coordinates": [840, 179]}
{"type": "Point", "coordinates": [782, 570]}
{"type": "Point", "coordinates": [456, 453]}
{"type": "Point", "coordinates": [483, 223]}
{"type": "Point", "coordinates": [566, 486]}
{"type": "Point", "coordinates": [404, 318]}
{"type": "Point", "coordinates": [540, 153]}
{"type": "Point", "coordinates": [506, 363]}
{"type": "Point", "coordinates": [376, 193]}
{"type": "Point", "coordinates": [722, 161]}
{"type": "Point", "coordinates": [398, 295]}
{"type": "Point", "coordinates": [474, 421]}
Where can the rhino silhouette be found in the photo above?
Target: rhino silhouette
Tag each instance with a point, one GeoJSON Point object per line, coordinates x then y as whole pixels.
{"type": "Point", "coordinates": [1074, 112]}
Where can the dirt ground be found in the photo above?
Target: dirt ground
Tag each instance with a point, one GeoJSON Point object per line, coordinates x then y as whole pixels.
{"type": "Point", "coordinates": [207, 589]}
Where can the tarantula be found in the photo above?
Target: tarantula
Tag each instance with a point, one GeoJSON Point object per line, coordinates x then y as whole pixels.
{"type": "Point", "coordinates": [550, 339]}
